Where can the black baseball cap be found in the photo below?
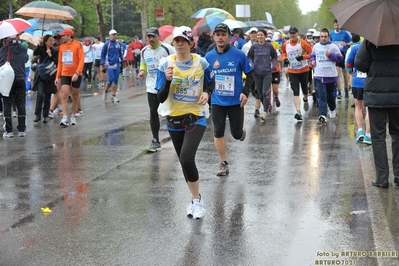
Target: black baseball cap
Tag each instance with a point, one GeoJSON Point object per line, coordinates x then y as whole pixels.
{"type": "Point", "coordinates": [222, 27]}
{"type": "Point", "coordinates": [293, 30]}
{"type": "Point", "coordinates": [152, 32]}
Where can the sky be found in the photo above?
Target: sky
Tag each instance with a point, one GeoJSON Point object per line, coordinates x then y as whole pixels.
{"type": "Point", "coordinates": [309, 5]}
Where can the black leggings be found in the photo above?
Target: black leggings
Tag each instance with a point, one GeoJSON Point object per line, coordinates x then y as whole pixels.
{"type": "Point", "coordinates": [87, 71]}
{"type": "Point", "coordinates": [154, 117]}
{"type": "Point", "coordinates": [186, 144]}
{"type": "Point", "coordinates": [299, 79]}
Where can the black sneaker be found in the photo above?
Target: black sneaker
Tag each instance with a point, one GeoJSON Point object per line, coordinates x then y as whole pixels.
{"type": "Point", "coordinates": [298, 117]}
{"type": "Point", "coordinates": [223, 169]}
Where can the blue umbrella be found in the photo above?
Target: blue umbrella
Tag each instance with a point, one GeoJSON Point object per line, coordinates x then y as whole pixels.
{"type": "Point", "coordinates": [42, 32]}
{"type": "Point", "coordinates": [33, 22]}
{"type": "Point", "coordinates": [208, 23]}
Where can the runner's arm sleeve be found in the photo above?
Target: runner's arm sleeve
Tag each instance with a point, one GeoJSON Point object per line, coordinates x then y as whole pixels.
{"type": "Point", "coordinates": [163, 93]}
{"type": "Point", "coordinates": [248, 83]}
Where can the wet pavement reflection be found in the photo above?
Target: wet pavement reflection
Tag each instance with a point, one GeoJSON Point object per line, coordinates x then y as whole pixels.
{"type": "Point", "coordinates": [297, 193]}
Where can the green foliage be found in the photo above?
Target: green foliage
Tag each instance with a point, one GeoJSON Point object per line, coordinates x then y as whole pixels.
{"type": "Point", "coordinates": [324, 16]}
{"type": "Point", "coordinates": [128, 21]}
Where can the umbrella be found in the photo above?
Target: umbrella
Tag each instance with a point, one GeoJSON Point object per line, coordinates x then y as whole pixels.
{"type": "Point", "coordinates": [266, 24]}
{"type": "Point", "coordinates": [166, 33]}
{"type": "Point", "coordinates": [32, 41]}
{"type": "Point", "coordinates": [234, 24]}
{"type": "Point", "coordinates": [14, 26]}
{"type": "Point", "coordinates": [41, 32]}
{"type": "Point", "coordinates": [71, 11]}
{"type": "Point", "coordinates": [56, 26]}
{"type": "Point", "coordinates": [375, 20]}
{"type": "Point", "coordinates": [251, 24]}
{"type": "Point", "coordinates": [208, 23]}
{"type": "Point", "coordinates": [44, 9]}
{"type": "Point", "coordinates": [208, 11]}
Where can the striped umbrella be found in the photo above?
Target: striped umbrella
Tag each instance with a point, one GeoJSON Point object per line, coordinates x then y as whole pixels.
{"type": "Point", "coordinates": [44, 9]}
{"type": "Point", "coordinates": [12, 27]}
{"type": "Point", "coordinates": [209, 11]}
{"type": "Point", "coordinates": [208, 23]}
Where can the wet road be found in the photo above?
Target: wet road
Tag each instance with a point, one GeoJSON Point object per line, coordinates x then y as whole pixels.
{"type": "Point", "coordinates": [297, 193]}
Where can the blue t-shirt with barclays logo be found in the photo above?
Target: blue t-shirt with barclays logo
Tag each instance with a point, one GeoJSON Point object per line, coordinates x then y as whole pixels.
{"type": "Point", "coordinates": [227, 72]}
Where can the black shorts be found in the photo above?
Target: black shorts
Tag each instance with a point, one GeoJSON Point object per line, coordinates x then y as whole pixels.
{"type": "Point", "coordinates": [285, 64]}
{"type": "Point", "coordinates": [358, 93]}
{"type": "Point", "coordinates": [276, 78]}
{"type": "Point", "coordinates": [68, 81]}
{"type": "Point", "coordinates": [236, 120]}
{"type": "Point", "coordinates": [342, 63]}
{"type": "Point", "coordinates": [97, 63]}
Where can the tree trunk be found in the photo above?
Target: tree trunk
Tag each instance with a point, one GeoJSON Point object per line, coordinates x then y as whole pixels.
{"type": "Point", "coordinates": [100, 20]}
{"type": "Point", "coordinates": [144, 19]}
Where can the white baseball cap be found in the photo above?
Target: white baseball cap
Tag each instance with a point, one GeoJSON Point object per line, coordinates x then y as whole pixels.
{"type": "Point", "coordinates": [253, 29]}
{"type": "Point", "coordinates": [112, 32]}
{"type": "Point", "coordinates": [184, 32]}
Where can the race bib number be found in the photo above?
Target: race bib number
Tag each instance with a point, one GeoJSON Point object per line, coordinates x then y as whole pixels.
{"type": "Point", "coordinates": [187, 90]}
{"type": "Point", "coordinates": [152, 65]}
{"type": "Point", "coordinates": [224, 85]}
{"type": "Point", "coordinates": [361, 75]}
{"type": "Point", "coordinates": [67, 58]}
{"type": "Point", "coordinates": [294, 64]}
{"type": "Point", "coordinates": [321, 58]}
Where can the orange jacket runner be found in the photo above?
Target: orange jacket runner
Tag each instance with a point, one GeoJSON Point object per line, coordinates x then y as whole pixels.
{"type": "Point", "coordinates": [305, 51]}
{"type": "Point", "coordinates": [70, 59]}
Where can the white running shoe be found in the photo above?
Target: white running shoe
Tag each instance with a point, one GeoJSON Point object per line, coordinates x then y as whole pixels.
{"type": "Point", "coordinates": [73, 120]}
{"type": "Point", "coordinates": [105, 96]}
{"type": "Point", "coordinates": [64, 122]}
{"type": "Point", "coordinates": [323, 119]}
{"type": "Point", "coordinates": [198, 209]}
{"type": "Point", "coordinates": [14, 114]}
{"type": "Point", "coordinates": [56, 111]}
{"type": "Point", "coordinates": [189, 209]}
{"type": "Point", "coordinates": [114, 100]}
{"type": "Point", "coordinates": [333, 114]}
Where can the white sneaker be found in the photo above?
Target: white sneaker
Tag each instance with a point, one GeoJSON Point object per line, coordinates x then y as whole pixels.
{"type": "Point", "coordinates": [333, 114]}
{"type": "Point", "coordinates": [73, 120]}
{"type": "Point", "coordinates": [198, 209]}
{"type": "Point", "coordinates": [56, 111]}
{"type": "Point", "coordinates": [79, 113]}
{"type": "Point", "coordinates": [323, 119]}
{"type": "Point", "coordinates": [1, 113]}
{"type": "Point", "coordinates": [50, 114]}
{"type": "Point", "coordinates": [114, 100]}
{"type": "Point", "coordinates": [14, 114]}
{"type": "Point", "coordinates": [263, 116]}
{"type": "Point", "coordinates": [8, 135]}
{"type": "Point", "coordinates": [104, 96]}
{"type": "Point", "coordinates": [64, 122]}
{"type": "Point", "coordinates": [189, 209]}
